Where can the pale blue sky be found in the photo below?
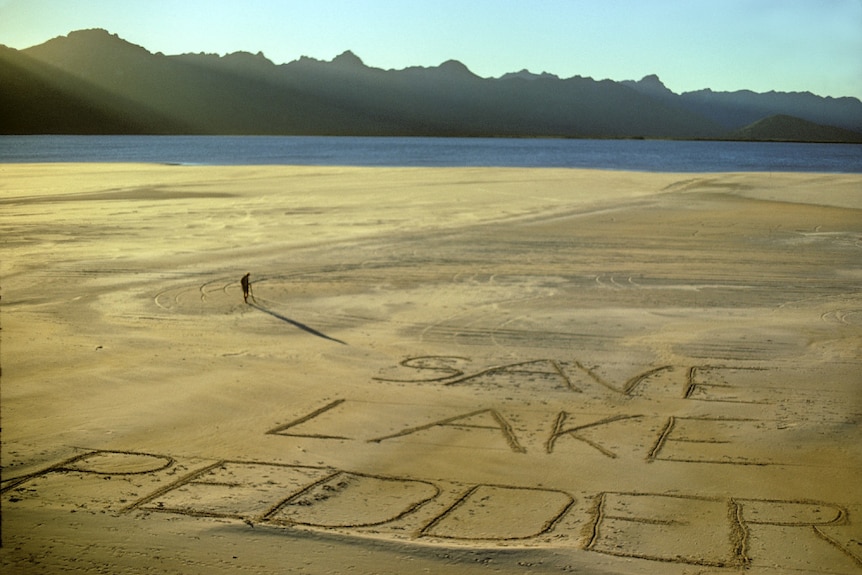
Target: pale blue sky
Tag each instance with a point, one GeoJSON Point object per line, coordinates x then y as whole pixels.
{"type": "Point", "coordinates": [785, 45]}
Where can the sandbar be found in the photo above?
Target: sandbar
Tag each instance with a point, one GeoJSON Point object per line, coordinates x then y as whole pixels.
{"type": "Point", "coordinates": [447, 370]}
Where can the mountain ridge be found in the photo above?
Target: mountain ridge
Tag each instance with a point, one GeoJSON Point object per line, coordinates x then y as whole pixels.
{"type": "Point", "coordinates": [735, 110]}
{"type": "Point", "coordinates": [246, 93]}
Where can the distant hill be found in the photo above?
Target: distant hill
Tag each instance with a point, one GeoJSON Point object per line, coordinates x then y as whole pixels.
{"type": "Point", "coordinates": [94, 82]}
{"type": "Point", "coordinates": [781, 128]}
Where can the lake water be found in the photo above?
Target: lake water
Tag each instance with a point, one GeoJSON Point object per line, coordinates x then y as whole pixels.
{"type": "Point", "coordinates": [636, 155]}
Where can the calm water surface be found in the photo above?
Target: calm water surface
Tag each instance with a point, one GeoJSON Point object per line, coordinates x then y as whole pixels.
{"type": "Point", "coordinates": [639, 155]}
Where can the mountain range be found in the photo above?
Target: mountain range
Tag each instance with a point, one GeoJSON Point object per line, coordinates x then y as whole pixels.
{"type": "Point", "coordinates": [93, 82]}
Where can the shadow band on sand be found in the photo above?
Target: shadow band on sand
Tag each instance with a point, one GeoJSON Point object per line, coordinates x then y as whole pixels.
{"type": "Point", "coordinates": [295, 323]}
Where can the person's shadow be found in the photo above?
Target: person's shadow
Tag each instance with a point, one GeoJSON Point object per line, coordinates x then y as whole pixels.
{"type": "Point", "coordinates": [295, 323]}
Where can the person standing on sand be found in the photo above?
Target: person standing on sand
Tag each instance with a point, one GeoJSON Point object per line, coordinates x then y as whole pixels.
{"type": "Point", "coordinates": [245, 287]}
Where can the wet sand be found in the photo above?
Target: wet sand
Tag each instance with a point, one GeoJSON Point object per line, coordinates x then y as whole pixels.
{"type": "Point", "coordinates": [439, 370]}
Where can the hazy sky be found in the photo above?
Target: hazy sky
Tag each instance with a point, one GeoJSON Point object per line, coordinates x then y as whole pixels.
{"type": "Point", "coordinates": [785, 45]}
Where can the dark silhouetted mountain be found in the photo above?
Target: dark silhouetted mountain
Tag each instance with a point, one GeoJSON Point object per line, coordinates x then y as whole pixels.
{"type": "Point", "coordinates": [38, 98]}
{"type": "Point", "coordinates": [735, 110]}
{"type": "Point", "coordinates": [651, 86]}
{"type": "Point", "coordinates": [527, 75]}
{"type": "Point", "coordinates": [781, 128]}
{"type": "Point", "coordinates": [94, 82]}
{"type": "Point", "coordinates": [348, 60]}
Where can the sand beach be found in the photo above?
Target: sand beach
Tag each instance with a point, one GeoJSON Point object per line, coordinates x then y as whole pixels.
{"type": "Point", "coordinates": [447, 370]}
